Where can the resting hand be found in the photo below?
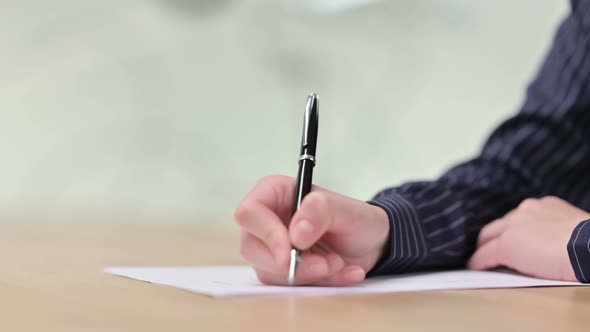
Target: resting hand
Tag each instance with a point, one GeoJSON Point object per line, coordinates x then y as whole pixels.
{"type": "Point", "coordinates": [531, 239]}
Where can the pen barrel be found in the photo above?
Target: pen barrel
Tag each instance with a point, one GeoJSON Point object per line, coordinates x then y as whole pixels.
{"type": "Point", "coordinates": [304, 182]}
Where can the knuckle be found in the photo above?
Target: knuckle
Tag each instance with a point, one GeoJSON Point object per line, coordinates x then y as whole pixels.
{"type": "Point", "coordinates": [529, 203]}
{"type": "Point", "coordinates": [272, 180]}
{"type": "Point", "coordinates": [484, 231]}
{"type": "Point", "coordinates": [482, 234]}
{"type": "Point", "coordinates": [487, 228]}
{"type": "Point", "coordinates": [550, 199]}
{"type": "Point", "coordinates": [241, 213]}
{"type": "Point", "coordinates": [317, 200]}
{"type": "Point", "coordinates": [265, 180]}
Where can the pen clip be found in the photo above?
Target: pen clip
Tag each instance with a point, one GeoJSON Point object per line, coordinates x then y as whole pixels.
{"type": "Point", "coordinates": [311, 104]}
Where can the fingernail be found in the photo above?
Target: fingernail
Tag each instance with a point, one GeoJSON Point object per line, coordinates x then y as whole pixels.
{"type": "Point", "coordinates": [355, 274]}
{"type": "Point", "coordinates": [304, 226]}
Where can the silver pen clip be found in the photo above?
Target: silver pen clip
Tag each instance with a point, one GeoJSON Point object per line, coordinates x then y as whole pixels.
{"type": "Point", "coordinates": [311, 100]}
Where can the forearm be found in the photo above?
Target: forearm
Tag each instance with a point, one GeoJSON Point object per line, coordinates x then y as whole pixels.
{"type": "Point", "coordinates": [541, 151]}
{"type": "Point", "coordinates": [435, 224]}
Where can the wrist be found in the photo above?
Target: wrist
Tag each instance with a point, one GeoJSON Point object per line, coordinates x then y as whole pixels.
{"type": "Point", "coordinates": [405, 246]}
{"type": "Point", "coordinates": [381, 220]}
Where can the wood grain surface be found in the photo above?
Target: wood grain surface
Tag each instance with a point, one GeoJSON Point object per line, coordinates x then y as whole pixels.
{"type": "Point", "coordinates": [50, 280]}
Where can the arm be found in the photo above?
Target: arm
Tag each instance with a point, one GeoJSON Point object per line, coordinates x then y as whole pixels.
{"type": "Point", "coordinates": [543, 150]}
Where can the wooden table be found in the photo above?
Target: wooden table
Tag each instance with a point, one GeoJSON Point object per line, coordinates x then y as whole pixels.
{"type": "Point", "coordinates": [50, 280]}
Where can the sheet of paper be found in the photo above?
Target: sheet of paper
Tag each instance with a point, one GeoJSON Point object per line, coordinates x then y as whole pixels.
{"type": "Point", "coordinates": [223, 281]}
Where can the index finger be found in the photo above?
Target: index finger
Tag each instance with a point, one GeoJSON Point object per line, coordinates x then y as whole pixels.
{"type": "Point", "coordinates": [260, 221]}
{"type": "Point", "coordinates": [277, 193]}
{"type": "Point", "coordinates": [265, 211]}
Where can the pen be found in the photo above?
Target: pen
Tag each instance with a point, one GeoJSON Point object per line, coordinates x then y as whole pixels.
{"type": "Point", "coordinates": [307, 162]}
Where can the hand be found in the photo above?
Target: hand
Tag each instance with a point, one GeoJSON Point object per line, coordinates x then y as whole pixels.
{"type": "Point", "coordinates": [531, 239]}
{"type": "Point", "coordinates": [342, 238]}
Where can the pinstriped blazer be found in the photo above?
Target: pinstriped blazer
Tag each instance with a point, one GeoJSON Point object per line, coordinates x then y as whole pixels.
{"type": "Point", "coordinates": [542, 150]}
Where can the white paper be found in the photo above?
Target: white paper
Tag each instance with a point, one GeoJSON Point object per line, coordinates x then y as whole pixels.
{"type": "Point", "coordinates": [224, 281]}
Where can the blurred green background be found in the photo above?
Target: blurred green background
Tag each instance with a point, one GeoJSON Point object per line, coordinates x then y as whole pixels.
{"type": "Point", "coordinates": [175, 108]}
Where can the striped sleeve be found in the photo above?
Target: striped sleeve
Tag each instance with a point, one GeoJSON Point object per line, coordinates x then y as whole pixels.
{"type": "Point", "coordinates": [579, 251]}
{"type": "Point", "coordinates": [542, 150]}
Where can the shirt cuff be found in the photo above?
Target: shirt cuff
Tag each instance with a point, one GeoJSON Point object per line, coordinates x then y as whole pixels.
{"type": "Point", "coordinates": [578, 249]}
{"type": "Point", "coordinates": [403, 250]}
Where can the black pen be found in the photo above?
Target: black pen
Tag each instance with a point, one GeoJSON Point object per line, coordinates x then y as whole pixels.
{"type": "Point", "coordinates": [307, 162]}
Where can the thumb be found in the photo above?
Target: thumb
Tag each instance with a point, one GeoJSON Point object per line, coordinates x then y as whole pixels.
{"type": "Point", "coordinates": [325, 211]}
